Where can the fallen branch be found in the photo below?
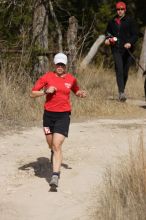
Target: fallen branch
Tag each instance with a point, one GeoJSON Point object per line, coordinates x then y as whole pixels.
{"type": "Point", "coordinates": [93, 50]}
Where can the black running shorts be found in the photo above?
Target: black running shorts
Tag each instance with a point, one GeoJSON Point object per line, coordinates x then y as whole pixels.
{"type": "Point", "coordinates": [56, 122]}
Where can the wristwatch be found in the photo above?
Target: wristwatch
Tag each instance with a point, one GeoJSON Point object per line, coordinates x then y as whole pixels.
{"type": "Point", "coordinates": [44, 90]}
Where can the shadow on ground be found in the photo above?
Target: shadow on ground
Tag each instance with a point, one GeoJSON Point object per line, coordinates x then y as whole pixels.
{"type": "Point", "coordinates": [42, 168]}
{"type": "Point", "coordinates": [143, 106]}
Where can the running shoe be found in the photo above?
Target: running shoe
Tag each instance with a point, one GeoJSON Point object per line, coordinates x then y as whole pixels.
{"type": "Point", "coordinates": [122, 97]}
{"type": "Point", "coordinates": [54, 181]}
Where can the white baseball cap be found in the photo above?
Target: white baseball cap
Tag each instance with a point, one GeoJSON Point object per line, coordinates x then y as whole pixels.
{"type": "Point", "coordinates": [60, 58]}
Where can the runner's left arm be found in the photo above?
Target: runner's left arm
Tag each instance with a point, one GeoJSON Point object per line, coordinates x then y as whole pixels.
{"type": "Point", "coordinates": [77, 91]}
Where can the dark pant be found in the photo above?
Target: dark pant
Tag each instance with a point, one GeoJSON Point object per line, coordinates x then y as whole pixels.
{"type": "Point", "coordinates": [56, 122]}
{"type": "Point", "coordinates": [122, 63]}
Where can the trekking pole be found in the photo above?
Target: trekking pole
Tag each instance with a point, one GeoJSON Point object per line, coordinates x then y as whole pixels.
{"type": "Point", "coordinates": [133, 57]}
{"type": "Point", "coordinates": [144, 71]}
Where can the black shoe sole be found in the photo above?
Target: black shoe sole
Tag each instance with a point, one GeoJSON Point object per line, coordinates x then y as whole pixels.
{"type": "Point", "coordinates": [123, 100]}
{"type": "Point", "coordinates": [53, 188]}
{"type": "Point", "coordinates": [53, 185]}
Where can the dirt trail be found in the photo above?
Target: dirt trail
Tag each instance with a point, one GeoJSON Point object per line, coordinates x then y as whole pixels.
{"type": "Point", "coordinates": [25, 169]}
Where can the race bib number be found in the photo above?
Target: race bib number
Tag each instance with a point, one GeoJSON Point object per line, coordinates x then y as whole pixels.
{"type": "Point", "coordinates": [47, 130]}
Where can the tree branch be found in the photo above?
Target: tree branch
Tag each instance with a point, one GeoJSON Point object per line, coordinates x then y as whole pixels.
{"type": "Point", "coordinates": [57, 26]}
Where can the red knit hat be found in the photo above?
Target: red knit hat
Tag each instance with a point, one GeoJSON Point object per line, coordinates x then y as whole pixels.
{"type": "Point", "coordinates": [121, 5]}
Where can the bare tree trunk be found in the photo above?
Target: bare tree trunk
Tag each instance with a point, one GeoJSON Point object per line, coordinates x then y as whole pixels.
{"type": "Point", "coordinates": [40, 35]}
{"type": "Point", "coordinates": [143, 56]}
{"type": "Point", "coordinates": [92, 52]}
{"type": "Point", "coordinates": [71, 41]}
{"type": "Point", "coordinates": [57, 27]}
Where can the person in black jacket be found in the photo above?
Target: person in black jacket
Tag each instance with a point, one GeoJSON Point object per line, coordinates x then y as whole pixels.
{"type": "Point", "coordinates": [121, 35]}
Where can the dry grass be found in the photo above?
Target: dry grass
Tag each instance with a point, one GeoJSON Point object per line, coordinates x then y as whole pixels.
{"type": "Point", "coordinates": [123, 193]}
{"type": "Point", "coordinates": [102, 99]}
{"type": "Point", "coordinates": [16, 107]}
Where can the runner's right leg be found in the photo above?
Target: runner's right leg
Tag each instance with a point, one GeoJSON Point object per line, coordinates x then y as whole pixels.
{"type": "Point", "coordinates": [49, 139]}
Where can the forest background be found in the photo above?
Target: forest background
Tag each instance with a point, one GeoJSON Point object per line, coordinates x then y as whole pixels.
{"type": "Point", "coordinates": [16, 23]}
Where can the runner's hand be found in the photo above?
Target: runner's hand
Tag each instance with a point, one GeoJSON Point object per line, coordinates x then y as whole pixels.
{"type": "Point", "coordinates": [51, 90]}
{"type": "Point", "coordinates": [127, 45]}
{"type": "Point", "coordinates": [81, 93]}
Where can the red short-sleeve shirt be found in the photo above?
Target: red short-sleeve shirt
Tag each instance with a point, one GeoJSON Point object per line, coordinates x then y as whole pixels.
{"type": "Point", "coordinates": [59, 101]}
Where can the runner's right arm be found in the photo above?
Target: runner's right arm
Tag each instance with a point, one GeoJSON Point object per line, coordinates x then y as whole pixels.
{"type": "Point", "coordinates": [39, 88]}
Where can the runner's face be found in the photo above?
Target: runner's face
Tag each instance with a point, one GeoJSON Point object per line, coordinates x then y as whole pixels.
{"type": "Point", "coordinates": [120, 12]}
{"type": "Point", "coordinates": [60, 68]}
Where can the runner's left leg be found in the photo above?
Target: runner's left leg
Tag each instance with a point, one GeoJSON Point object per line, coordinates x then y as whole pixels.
{"type": "Point", "coordinates": [57, 142]}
